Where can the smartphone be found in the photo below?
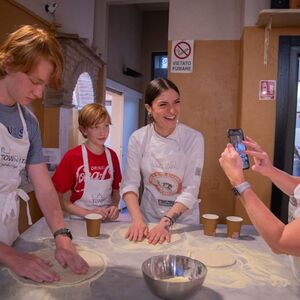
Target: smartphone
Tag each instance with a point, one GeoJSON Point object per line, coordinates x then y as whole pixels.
{"type": "Point", "coordinates": [236, 137]}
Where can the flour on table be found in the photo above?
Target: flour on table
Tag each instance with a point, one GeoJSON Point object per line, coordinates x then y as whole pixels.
{"type": "Point", "coordinates": [251, 266]}
{"type": "Point", "coordinates": [214, 259]}
{"type": "Point", "coordinates": [95, 260]}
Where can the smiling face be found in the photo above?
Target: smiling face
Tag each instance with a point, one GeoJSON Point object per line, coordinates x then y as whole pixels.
{"type": "Point", "coordinates": [23, 88]}
{"type": "Point", "coordinates": [165, 110]}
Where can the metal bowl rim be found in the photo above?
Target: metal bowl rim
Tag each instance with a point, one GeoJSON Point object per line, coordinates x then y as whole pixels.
{"type": "Point", "coordinates": [203, 274]}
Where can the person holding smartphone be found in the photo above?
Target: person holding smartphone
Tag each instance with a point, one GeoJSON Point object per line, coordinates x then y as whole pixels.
{"type": "Point", "coordinates": [170, 157]}
{"type": "Point", "coordinates": [280, 237]}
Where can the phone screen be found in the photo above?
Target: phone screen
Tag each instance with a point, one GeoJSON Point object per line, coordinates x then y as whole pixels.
{"type": "Point", "coordinates": [236, 138]}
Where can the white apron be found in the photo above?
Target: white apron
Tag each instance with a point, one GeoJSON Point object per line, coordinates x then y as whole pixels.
{"type": "Point", "coordinates": [97, 192]}
{"type": "Point", "coordinates": [13, 159]}
{"type": "Point", "coordinates": [163, 170]}
{"type": "Point", "coordinates": [294, 212]}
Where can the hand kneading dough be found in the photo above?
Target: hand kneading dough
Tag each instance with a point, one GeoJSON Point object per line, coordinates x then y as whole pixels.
{"type": "Point", "coordinates": [215, 259]}
{"type": "Point", "coordinates": [67, 278]}
{"type": "Point", "coordinates": [174, 237]}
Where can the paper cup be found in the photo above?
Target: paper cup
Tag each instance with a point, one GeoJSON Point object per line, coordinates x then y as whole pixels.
{"type": "Point", "coordinates": [210, 222]}
{"type": "Point", "coordinates": [234, 226]}
{"type": "Point", "coordinates": [93, 222]}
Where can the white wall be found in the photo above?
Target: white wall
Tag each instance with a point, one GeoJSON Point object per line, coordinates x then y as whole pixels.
{"type": "Point", "coordinates": [125, 44]}
{"type": "Point", "coordinates": [130, 113]}
{"type": "Point", "coordinates": [75, 16]}
{"type": "Point", "coordinates": [214, 19]}
{"type": "Point", "coordinates": [252, 9]}
{"type": "Point", "coordinates": [100, 28]}
{"type": "Point", "coordinates": [188, 19]}
{"type": "Point", "coordinates": [205, 20]}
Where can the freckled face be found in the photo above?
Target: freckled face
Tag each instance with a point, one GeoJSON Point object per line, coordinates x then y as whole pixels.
{"type": "Point", "coordinates": [165, 110]}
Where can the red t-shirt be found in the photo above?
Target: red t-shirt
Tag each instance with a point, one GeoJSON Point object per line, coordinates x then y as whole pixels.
{"type": "Point", "coordinates": [69, 174]}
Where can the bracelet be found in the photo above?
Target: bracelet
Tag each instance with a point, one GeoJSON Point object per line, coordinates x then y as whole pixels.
{"type": "Point", "coordinates": [170, 219]}
{"type": "Point", "coordinates": [239, 189]}
{"type": "Point", "coordinates": [63, 231]}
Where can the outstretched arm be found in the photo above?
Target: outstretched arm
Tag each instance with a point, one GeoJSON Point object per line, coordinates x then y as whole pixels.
{"type": "Point", "coordinates": [280, 237]}
{"type": "Point", "coordinates": [47, 198]}
{"type": "Point", "coordinates": [263, 165]}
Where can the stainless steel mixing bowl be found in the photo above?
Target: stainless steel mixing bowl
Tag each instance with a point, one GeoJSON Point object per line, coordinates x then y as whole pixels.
{"type": "Point", "coordinates": [173, 276]}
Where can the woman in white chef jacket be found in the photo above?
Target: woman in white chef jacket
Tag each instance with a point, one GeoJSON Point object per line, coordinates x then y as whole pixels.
{"type": "Point", "coordinates": [30, 58]}
{"type": "Point", "coordinates": [168, 156]}
{"type": "Point", "coordinates": [283, 239]}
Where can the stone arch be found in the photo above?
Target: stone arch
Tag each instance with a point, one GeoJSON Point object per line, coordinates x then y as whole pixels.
{"type": "Point", "coordinates": [78, 59]}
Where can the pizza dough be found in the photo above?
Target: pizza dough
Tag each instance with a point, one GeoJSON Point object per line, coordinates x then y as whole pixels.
{"type": "Point", "coordinates": [123, 230]}
{"type": "Point", "coordinates": [95, 260]}
{"type": "Point", "coordinates": [214, 259]}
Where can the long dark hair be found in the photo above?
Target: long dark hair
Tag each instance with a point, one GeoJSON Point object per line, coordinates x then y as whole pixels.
{"type": "Point", "coordinates": [156, 87]}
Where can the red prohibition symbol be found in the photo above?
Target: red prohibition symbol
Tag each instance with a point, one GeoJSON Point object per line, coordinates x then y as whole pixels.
{"type": "Point", "coordinates": [182, 50]}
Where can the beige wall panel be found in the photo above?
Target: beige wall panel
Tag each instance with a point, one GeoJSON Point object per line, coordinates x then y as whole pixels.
{"type": "Point", "coordinates": [257, 117]}
{"type": "Point", "coordinates": [51, 127]}
{"type": "Point", "coordinates": [209, 104]}
{"type": "Point", "coordinates": [17, 16]}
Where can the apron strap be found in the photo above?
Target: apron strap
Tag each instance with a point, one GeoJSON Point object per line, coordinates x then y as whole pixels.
{"type": "Point", "coordinates": [10, 208]}
{"type": "Point", "coordinates": [110, 164]}
{"type": "Point", "coordinates": [85, 161]}
{"type": "Point", "coordinates": [25, 198]}
{"type": "Point", "coordinates": [25, 131]}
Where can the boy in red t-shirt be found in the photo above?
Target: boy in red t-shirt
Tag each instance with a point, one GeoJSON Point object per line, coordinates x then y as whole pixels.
{"type": "Point", "coordinates": [90, 171]}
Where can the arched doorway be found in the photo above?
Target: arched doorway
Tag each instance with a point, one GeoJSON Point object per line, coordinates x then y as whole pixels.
{"type": "Point", "coordinates": [83, 94]}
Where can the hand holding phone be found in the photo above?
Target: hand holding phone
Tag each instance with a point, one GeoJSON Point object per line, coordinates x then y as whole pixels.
{"type": "Point", "coordinates": [236, 137]}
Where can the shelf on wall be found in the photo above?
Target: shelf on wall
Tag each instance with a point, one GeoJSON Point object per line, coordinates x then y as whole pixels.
{"type": "Point", "coordinates": [269, 18]}
{"type": "Point", "coordinates": [279, 17]}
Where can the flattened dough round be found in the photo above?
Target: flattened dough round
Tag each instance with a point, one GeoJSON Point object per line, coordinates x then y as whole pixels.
{"type": "Point", "coordinates": [214, 259]}
{"type": "Point", "coordinates": [95, 260]}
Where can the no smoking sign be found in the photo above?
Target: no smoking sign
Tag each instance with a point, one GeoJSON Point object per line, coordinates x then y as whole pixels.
{"type": "Point", "coordinates": [182, 56]}
{"type": "Point", "coordinates": [182, 50]}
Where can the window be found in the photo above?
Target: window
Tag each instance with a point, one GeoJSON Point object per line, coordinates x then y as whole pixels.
{"type": "Point", "coordinates": [159, 65]}
{"type": "Point", "coordinates": [83, 92]}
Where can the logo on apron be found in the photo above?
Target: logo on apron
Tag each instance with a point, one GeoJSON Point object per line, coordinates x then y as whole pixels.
{"type": "Point", "coordinates": [165, 183]}
{"type": "Point", "coordinates": [98, 199]}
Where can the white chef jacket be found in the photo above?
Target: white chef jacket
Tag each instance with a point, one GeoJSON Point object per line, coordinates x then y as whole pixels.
{"type": "Point", "coordinates": [294, 212]}
{"type": "Point", "coordinates": [147, 140]}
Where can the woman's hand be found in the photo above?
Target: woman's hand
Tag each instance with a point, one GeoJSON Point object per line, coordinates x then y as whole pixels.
{"type": "Point", "coordinates": [159, 233]}
{"type": "Point", "coordinates": [137, 231]}
{"type": "Point", "coordinates": [232, 165]}
{"type": "Point", "coordinates": [262, 163]}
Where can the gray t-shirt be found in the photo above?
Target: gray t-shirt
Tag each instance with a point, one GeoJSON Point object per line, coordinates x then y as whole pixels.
{"type": "Point", "coordinates": [10, 118]}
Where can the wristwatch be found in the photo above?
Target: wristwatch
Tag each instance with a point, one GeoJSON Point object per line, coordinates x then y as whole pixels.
{"type": "Point", "coordinates": [63, 231]}
{"type": "Point", "coordinates": [239, 189]}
